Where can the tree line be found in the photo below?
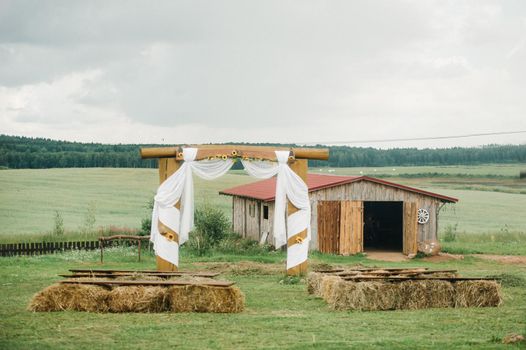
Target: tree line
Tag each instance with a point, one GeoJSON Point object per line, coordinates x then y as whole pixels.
{"type": "Point", "coordinates": [18, 152]}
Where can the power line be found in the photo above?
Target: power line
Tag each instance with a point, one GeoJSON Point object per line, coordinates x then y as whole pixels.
{"type": "Point", "coordinates": [415, 138]}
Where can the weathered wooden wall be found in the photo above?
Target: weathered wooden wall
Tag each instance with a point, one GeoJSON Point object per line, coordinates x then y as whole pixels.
{"type": "Point", "coordinates": [253, 227]}
{"type": "Point", "coordinates": [369, 191]}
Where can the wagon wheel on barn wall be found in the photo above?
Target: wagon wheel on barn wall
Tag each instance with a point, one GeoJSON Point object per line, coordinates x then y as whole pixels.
{"type": "Point", "coordinates": [423, 216]}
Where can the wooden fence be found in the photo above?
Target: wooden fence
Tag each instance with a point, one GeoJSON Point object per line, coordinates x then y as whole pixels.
{"type": "Point", "coordinates": [39, 248]}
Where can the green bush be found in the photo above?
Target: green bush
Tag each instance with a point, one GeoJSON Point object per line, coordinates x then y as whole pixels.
{"type": "Point", "coordinates": [198, 243]}
{"type": "Point", "coordinates": [211, 226]}
{"type": "Point", "coordinates": [211, 223]}
{"type": "Point", "coordinates": [58, 227]}
{"type": "Point", "coordinates": [450, 233]}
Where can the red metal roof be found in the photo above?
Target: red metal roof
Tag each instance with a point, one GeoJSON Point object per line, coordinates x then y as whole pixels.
{"type": "Point", "coordinates": [265, 190]}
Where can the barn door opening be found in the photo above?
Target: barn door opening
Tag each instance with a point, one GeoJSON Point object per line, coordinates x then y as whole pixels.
{"type": "Point", "coordinates": [383, 226]}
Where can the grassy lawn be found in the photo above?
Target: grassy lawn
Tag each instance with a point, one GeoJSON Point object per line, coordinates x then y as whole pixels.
{"type": "Point", "coordinates": [277, 315]}
{"type": "Point", "coordinates": [492, 198]}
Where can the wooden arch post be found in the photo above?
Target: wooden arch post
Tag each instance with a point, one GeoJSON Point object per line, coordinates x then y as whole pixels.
{"type": "Point", "coordinates": [167, 166]}
{"type": "Point", "coordinates": [300, 167]}
{"type": "Point", "coordinates": [170, 159]}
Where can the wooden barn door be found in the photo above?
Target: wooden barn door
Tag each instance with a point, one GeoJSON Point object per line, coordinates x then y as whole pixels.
{"type": "Point", "coordinates": [340, 227]}
{"type": "Point", "coordinates": [351, 227]}
{"type": "Point", "coordinates": [410, 228]}
{"type": "Point", "coordinates": [328, 226]}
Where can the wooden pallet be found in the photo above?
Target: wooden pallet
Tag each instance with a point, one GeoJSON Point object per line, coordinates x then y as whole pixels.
{"type": "Point", "coordinates": [146, 272]}
{"type": "Point", "coordinates": [127, 274]}
{"type": "Point", "coordinates": [415, 278]}
{"type": "Point", "coordinates": [150, 283]}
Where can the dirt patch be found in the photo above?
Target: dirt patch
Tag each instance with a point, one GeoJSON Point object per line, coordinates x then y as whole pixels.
{"type": "Point", "coordinates": [503, 259]}
{"type": "Point", "coordinates": [443, 257]}
{"type": "Point", "coordinates": [386, 256]}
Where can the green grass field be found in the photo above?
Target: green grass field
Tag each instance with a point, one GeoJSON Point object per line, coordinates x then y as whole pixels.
{"type": "Point", "coordinates": [29, 198]}
{"type": "Point", "coordinates": [487, 219]}
{"type": "Point", "coordinates": [277, 316]}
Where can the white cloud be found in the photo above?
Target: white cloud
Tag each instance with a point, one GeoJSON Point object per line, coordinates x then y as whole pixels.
{"type": "Point", "coordinates": [280, 71]}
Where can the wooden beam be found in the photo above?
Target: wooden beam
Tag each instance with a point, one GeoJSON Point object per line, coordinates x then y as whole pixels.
{"type": "Point", "coordinates": [411, 278]}
{"type": "Point", "coordinates": [126, 274]}
{"type": "Point", "coordinates": [151, 283]}
{"type": "Point", "coordinates": [167, 166]}
{"type": "Point", "coordinates": [149, 272]}
{"type": "Point", "coordinates": [235, 151]}
{"type": "Point", "coordinates": [300, 167]}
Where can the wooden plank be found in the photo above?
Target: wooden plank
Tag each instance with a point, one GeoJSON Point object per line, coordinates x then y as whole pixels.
{"type": "Point", "coordinates": [151, 272]}
{"type": "Point", "coordinates": [328, 226]}
{"type": "Point", "coordinates": [124, 274]}
{"type": "Point", "coordinates": [411, 278]}
{"type": "Point", "coordinates": [263, 152]}
{"type": "Point", "coordinates": [410, 228]}
{"type": "Point", "coordinates": [300, 167]}
{"type": "Point", "coordinates": [167, 166]}
{"type": "Point", "coordinates": [151, 283]}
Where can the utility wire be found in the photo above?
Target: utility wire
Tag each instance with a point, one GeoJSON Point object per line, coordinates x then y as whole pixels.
{"type": "Point", "coordinates": [415, 138]}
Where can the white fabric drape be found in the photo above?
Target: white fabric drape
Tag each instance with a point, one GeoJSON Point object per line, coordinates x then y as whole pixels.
{"type": "Point", "coordinates": [288, 185]}
{"type": "Point", "coordinates": [180, 186]}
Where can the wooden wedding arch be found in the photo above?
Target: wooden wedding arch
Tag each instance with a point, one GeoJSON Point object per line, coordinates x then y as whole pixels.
{"type": "Point", "coordinates": [170, 159]}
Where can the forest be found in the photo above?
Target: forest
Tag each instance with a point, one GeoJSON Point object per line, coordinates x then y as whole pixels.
{"type": "Point", "coordinates": [17, 152]}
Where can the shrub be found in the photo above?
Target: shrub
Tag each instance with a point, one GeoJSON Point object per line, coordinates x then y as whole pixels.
{"type": "Point", "coordinates": [211, 223]}
{"type": "Point", "coordinates": [198, 243]}
{"type": "Point", "coordinates": [450, 233]}
{"type": "Point", "coordinates": [58, 227]}
{"type": "Point", "coordinates": [211, 226]}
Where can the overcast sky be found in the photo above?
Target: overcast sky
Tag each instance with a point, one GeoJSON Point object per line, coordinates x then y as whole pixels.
{"type": "Point", "coordinates": [263, 71]}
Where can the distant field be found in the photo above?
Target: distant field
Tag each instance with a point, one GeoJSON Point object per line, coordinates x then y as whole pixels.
{"type": "Point", "coordinates": [29, 198]}
{"type": "Point", "coordinates": [487, 170]}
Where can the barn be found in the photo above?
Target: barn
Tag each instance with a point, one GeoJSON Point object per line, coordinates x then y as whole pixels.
{"type": "Point", "coordinates": [350, 214]}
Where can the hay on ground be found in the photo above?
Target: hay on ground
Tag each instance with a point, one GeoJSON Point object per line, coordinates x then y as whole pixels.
{"type": "Point", "coordinates": [201, 298]}
{"type": "Point", "coordinates": [138, 299]}
{"type": "Point", "coordinates": [78, 297]}
{"type": "Point", "coordinates": [477, 294]}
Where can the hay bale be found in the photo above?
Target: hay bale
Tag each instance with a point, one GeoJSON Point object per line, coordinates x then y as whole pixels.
{"type": "Point", "coordinates": [327, 286]}
{"type": "Point", "coordinates": [202, 298]}
{"type": "Point", "coordinates": [366, 296]}
{"type": "Point", "coordinates": [440, 294]}
{"type": "Point", "coordinates": [477, 294]}
{"type": "Point", "coordinates": [425, 294]}
{"type": "Point", "coordinates": [314, 283]}
{"type": "Point", "coordinates": [138, 299]}
{"type": "Point", "coordinates": [78, 297]}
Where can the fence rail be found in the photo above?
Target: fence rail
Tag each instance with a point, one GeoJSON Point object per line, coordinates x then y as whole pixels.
{"type": "Point", "coordinates": [39, 248]}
